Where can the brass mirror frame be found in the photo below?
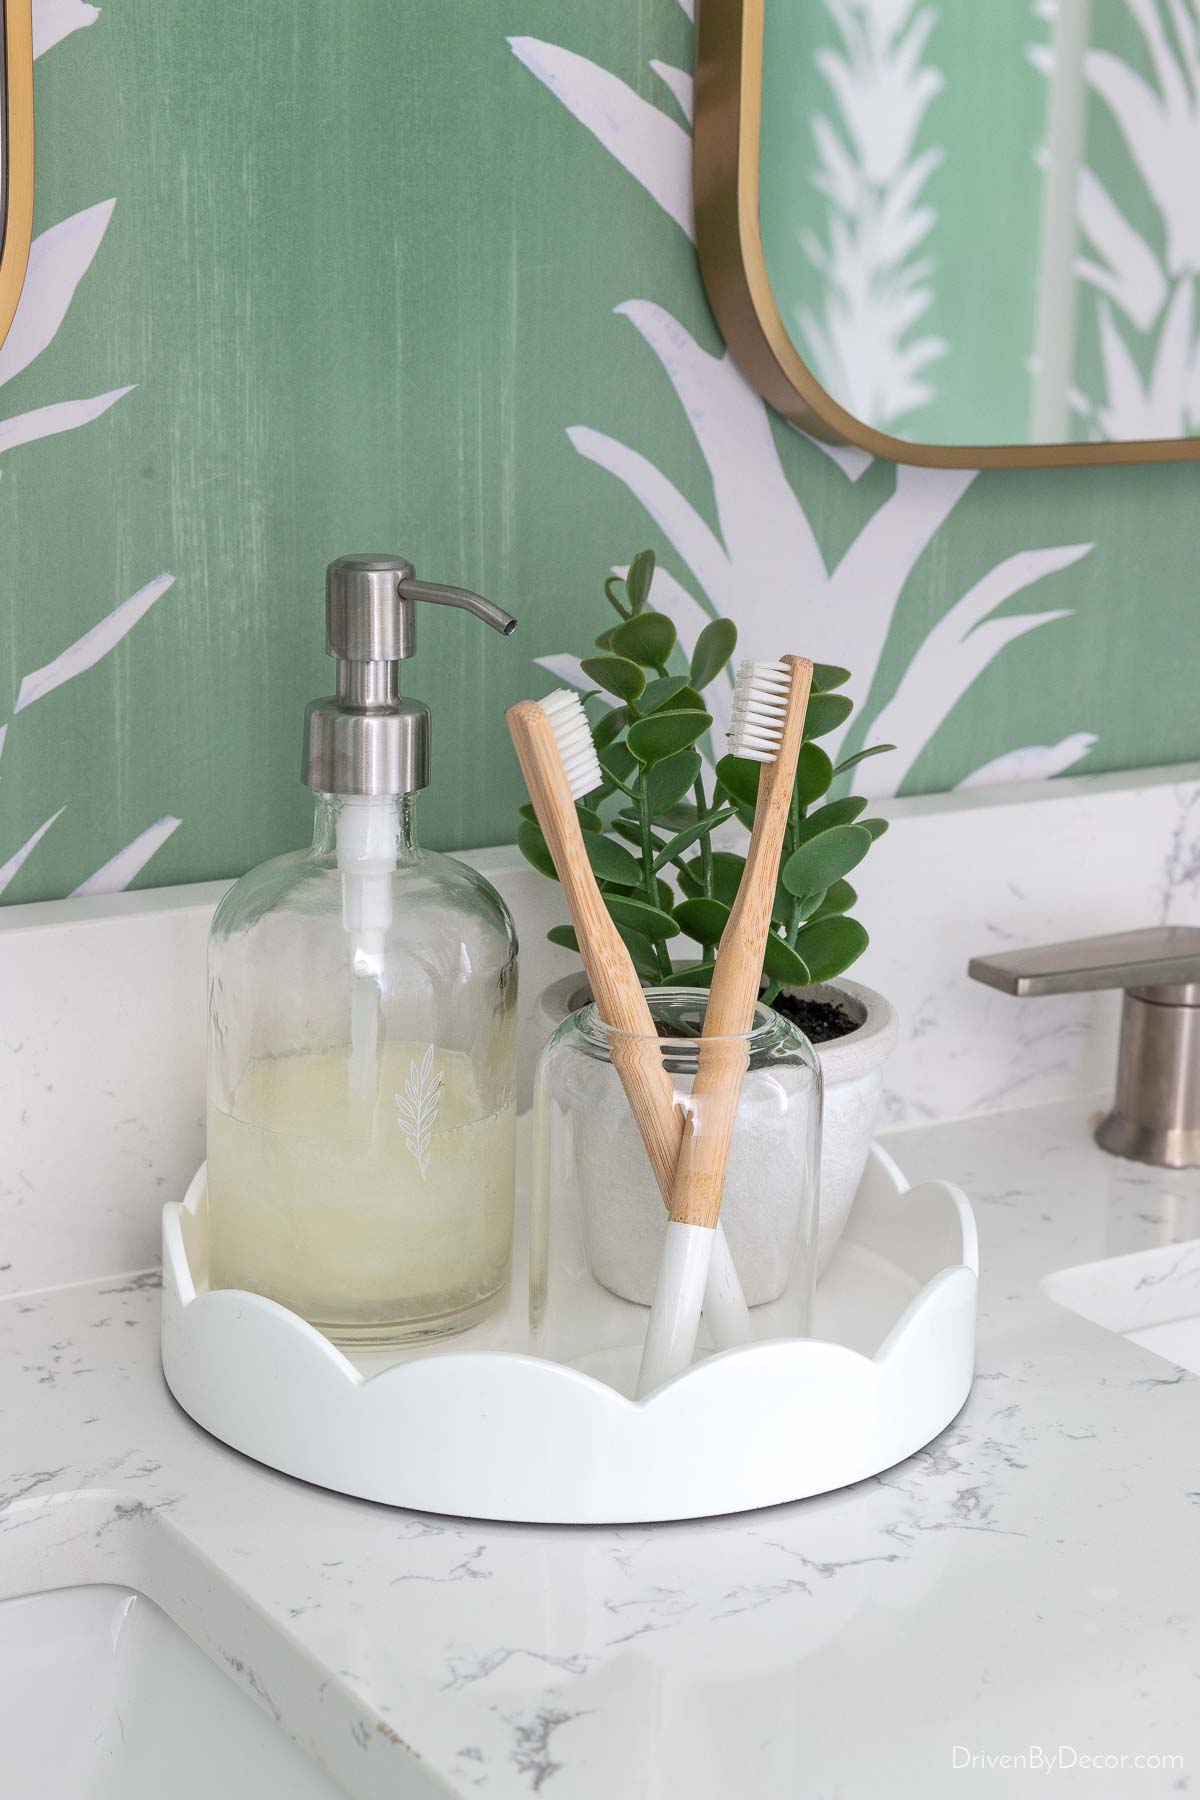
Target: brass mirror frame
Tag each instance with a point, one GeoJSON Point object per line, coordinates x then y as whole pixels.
{"type": "Point", "coordinates": [16, 149]}
{"type": "Point", "coordinates": [725, 186]}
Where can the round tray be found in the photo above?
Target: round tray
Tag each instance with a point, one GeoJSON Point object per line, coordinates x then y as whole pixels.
{"type": "Point", "coordinates": [476, 1426]}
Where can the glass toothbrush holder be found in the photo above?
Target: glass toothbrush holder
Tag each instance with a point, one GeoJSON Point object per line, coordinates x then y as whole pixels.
{"type": "Point", "coordinates": [598, 1219]}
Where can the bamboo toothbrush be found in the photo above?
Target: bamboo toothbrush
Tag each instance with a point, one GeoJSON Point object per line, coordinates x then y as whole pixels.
{"type": "Point", "coordinates": [769, 705]}
{"type": "Point", "coordinates": [558, 760]}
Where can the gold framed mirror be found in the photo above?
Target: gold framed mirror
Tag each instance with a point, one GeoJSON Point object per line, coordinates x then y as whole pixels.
{"type": "Point", "coordinates": [16, 152]}
{"type": "Point", "coordinates": [1061, 325]}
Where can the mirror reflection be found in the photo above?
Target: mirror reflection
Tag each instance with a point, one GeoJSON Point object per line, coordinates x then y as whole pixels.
{"type": "Point", "coordinates": [981, 223]}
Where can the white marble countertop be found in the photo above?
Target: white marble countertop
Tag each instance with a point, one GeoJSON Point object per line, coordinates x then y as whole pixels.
{"type": "Point", "coordinates": [1031, 1579]}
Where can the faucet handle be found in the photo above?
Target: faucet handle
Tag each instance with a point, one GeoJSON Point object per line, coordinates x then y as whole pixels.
{"type": "Point", "coordinates": [1155, 1116]}
{"type": "Point", "coordinates": [1160, 962]}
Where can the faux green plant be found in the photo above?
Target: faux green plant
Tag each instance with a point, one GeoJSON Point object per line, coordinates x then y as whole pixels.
{"type": "Point", "coordinates": [649, 829]}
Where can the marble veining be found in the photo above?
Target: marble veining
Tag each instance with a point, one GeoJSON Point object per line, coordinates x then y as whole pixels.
{"type": "Point", "coordinates": [1028, 1578]}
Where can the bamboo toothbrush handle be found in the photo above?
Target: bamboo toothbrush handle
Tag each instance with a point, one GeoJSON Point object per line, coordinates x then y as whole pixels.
{"type": "Point", "coordinates": [708, 1129]}
{"type": "Point", "coordinates": [610, 971]}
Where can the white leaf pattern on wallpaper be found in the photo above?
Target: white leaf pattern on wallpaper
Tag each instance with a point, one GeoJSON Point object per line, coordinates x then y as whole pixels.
{"type": "Point", "coordinates": [417, 1108]}
{"type": "Point", "coordinates": [114, 876]}
{"type": "Point", "coordinates": [680, 84]}
{"type": "Point", "coordinates": [1036, 762]}
{"type": "Point", "coordinates": [656, 150]}
{"type": "Point", "coordinates": [763, 566]}
{"type": "Point", "coordinates": [53, 20]}
{"type": "Point", "coordinates": [17, 860]}
{"type": "Point", "coordinates": [876, 286]}
{"type": "Point", "coordinates": [58, 260]}
{"type": "Point", "coordinates": [47, 421]}
{"type": "Point", "coordinates": [957, 650]}
{"type": "Point", "coordinates": [95, 644]}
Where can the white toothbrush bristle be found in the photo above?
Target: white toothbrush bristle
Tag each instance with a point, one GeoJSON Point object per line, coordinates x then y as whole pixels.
{"type": "Point", "coordinates": [760, 702]}
{"type": "Point", "coordinates": [573, 735]}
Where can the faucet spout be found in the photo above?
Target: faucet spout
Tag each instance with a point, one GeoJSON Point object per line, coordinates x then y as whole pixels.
{"type": "Point", "coordinates": [440, 595]}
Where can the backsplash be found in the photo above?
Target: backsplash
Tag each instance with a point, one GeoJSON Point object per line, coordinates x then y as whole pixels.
{"type": "Point", "coordinates": [255, 335]}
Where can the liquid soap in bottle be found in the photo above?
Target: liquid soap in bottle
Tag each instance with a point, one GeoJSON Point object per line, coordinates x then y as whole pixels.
{"type": "Point", "coordinates": [362, 1022]}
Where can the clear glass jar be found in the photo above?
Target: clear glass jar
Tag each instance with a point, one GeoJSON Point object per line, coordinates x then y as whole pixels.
{"type": "Point", "coordinates": [362, 1088]}
{"type": "Point", "coordinates": [598, 1218]}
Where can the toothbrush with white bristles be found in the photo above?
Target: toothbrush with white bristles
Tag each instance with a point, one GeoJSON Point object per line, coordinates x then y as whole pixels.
{"type": "Point", "coordinates": [558, 760]}
{"type": "Point", "coordinates": [769, 706]}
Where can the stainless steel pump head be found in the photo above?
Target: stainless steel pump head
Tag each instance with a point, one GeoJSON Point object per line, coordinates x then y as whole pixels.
{"type": "Point", "coordinates": [366, 738]}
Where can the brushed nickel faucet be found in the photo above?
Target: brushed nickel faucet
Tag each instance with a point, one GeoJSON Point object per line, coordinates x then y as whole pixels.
{"type": "Point", "coordinates": [1155, 1115]}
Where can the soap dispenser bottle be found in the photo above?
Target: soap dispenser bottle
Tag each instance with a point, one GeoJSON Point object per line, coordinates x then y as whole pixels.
{"type": "Point", "coordinates": [362, 1022]}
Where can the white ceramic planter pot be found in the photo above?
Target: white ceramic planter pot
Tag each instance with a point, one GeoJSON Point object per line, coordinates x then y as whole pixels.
{"type": "Point", "coordinates": [852, 1074]}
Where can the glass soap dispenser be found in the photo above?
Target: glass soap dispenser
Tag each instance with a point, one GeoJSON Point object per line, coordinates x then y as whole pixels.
{"type": "Point", "coordinates": [362, 1022]}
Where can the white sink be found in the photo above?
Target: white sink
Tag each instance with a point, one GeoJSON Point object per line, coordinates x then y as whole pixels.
{"type": "Point", "coordinates": [101, 1695]}
{"type": "Point", "coordinates": [1151, 1297]}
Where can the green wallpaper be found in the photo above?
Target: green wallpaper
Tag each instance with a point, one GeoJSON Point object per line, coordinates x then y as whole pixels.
{"type": "Point", "coordinates": [363, 272]}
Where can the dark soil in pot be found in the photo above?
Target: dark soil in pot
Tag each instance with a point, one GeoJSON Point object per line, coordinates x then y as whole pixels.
{"type": "Point", "coordinates": [821, 1021]}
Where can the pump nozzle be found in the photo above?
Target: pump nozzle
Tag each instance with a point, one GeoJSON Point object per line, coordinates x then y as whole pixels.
{"type": "Point", "coordinates": [487, 610]}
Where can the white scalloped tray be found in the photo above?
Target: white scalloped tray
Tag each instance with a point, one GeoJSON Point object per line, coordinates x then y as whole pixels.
{"type": "Point", "coordinates": [479, 1428]}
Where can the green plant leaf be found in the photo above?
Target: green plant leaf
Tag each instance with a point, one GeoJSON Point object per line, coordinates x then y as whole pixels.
{"type": "Point", "coordinates": [828, 675]}
{"type": "Point", "coordinates": [639, 578]}
{"type": "Point", "coordinates": [601, 642]}
{"type": "Point", "coordinates": [610, 861]}
{"type": "Point", "coordinates": [814, 772]}
{"type": "Point", "coordinates": [859, 755]}
{"type": "Point", "coordinates": [782, 963]}
{"type": "Point", "coordinates": [589, 818]}
{"type": "Point", "coordinates": [628, 826]}
{"type": "Point", "coordinates": [615, 674]}
{"type": "Point", "coordinates": [534, 848]}
{"type": "Point", "coordinates": [820, 862]}
{"type": "Point", "coordinates": [839, 897]}
{"type": "Point", "coordinates": [610, 590]}
{"type": "Point", "coordinates": [702, 919]}
{"type": "Point", "coordinates": [837, 812]}
{"type": "Point", "coordinates": [674, 691]}
{"type": "Point", "coordinates": [662, 691]}
{"type": "Point", "coordinates": [642, 952]}
{"type": "Point", "coordinates": [825, 711]}
{"type": "Point", "coordinates": [807, 904]}
{"type": "Point", "coordinates": [683, 813]}
{"type": "Point", "coordinates": [683, 840]}
{"type": "Point", "coordinates": [876, 827]}
{"type": "Point", "coordinates": [740, 777]}
{"type": "Point", "coordinates": [609, 726]}
{"type": "Point", "coordinates": [563, 936]}
{"type": "Point", "coordinates": [637, 915]}
{"type": "Point", "coordinates": [831, 945]}
{"type": "Point", "coordinates": [526, 811]}
{"type": "Point", "coordinates": [668, 781]}
{"type": "Point", "coordinates": [664, 734]}
{"type": "Point", "coordinates": [648, 639]}
{"type": "Point", "coordinates": [699, 975]}
{"type": "Point", "coordinates": [727, 874]}
{"type": "Point", "coordinates": [616, 760]}
{"type": "Point", "coordinates": [714, 647]}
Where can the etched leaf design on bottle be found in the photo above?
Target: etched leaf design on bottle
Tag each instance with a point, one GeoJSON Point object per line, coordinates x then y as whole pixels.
{"type": "Point", "coordinates": [418, 1106]}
